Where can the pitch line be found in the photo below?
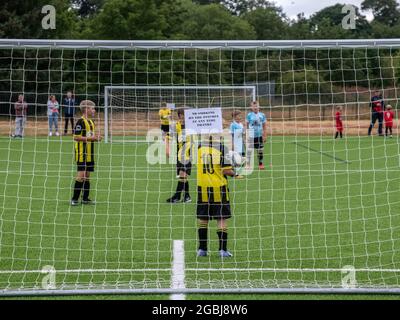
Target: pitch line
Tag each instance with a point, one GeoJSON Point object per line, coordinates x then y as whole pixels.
{"type": "Point", "coordinates": [182, 272]}
{"type": "Point", "coordinates": [321, 152]}
{"type": "Point", "coordinates": [178, 269]}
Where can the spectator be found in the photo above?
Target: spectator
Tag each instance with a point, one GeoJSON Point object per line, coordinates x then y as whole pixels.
{"type": "Point", "coordinates": [69, 111]}
{"type": "Point", "coordinates": [53, 112]}
{"type": "Point", "coordinates": [21, 109]}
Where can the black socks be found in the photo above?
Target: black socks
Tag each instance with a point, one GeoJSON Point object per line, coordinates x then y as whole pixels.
{"type": "Point", "coordinates": [223, 239]}
{"type": "Point", "coordinates": [86, 190]}
{"type": "Point", "coordinates": [77, 190]}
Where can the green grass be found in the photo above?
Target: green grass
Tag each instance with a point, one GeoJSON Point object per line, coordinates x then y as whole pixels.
{"type": "Point", "coordinates": [321, 204]}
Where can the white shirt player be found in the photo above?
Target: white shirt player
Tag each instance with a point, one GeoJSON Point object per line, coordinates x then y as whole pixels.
{"type": "Point", "coordinates": [237, 130]}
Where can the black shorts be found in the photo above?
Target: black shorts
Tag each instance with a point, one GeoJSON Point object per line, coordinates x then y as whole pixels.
{"type": "Point", "coordinates": [85, 166]}
{"type": "Point", "coordinates": [165, 128]}
{"type": "Point", "coordinates": [210, 211]}
{"type": "Point", "coordinates": [258, 143]}
{"type": "Point", "coordinates": [187, 168]}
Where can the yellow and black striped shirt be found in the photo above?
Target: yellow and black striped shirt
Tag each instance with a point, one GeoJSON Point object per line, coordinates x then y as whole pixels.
{"type": "Point", "coordinates": [212, 184]}
{"type": "Point", "coordinates": [165, 115]}
{"type": "Point", "coordinates": [184, 142]}
{"type": "Point", "coordinates": [84, 151]}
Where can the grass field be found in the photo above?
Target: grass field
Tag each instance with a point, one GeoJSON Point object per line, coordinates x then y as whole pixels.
{"type": "Point", "coordinates": [320, 205]}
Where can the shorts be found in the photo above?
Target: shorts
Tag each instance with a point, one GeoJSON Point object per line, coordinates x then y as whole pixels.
{"type": "Point", "coordinates": [211, 211]}
{"type": "Point", "coordinates": [339, 129]}
{"type": "Point", "coordinates": [187, 168]}
{"type": "Point", "coordinates": [85, 166]}
{"type": "Point", "coordinates": [258, 143]}
{"type": "Point", "coordinates": [388, 125]}
{"type": "Point", "coordinates": [165, 128]}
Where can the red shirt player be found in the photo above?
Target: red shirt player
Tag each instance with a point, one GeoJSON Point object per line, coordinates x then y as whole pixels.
{"type": "Point", "coordinates": [388, 116]}
{"type": "Point", "coordinates": [339, 123]}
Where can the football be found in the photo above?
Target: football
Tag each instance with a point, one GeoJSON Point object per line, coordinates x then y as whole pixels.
{"type": "Point", "coordinates": [236, 159]}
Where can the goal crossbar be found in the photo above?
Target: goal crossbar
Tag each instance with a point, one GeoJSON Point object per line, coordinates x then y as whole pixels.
{"type": "Point", "coordinates": [216, 44]}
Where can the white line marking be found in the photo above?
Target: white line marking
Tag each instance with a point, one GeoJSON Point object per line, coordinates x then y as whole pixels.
{"type": "Point", "coordinates": [182, 272]}
{"type": "Point", "coordinates": [178, 269]}
{"type": "Point", "coordinates": [288, 270]}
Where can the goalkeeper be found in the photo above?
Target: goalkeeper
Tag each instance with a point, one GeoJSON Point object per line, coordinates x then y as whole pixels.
{"type": "Point", "coordinates": [84, 137]}
{"type": "Point", "coordinates": [213, 167]}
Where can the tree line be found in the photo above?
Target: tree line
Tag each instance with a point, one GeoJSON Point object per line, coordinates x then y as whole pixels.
{"type": "Point", "coordinates": [193, 20]}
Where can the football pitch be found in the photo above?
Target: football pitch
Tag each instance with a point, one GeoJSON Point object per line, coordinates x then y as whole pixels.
{"type": "Point", "coordinates": [319, 206]}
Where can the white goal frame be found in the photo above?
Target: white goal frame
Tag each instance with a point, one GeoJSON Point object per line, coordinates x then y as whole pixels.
{"type": "Point", "coordinates": [108, 107]}
{"type": "Point", "coordinates": [207, 45]}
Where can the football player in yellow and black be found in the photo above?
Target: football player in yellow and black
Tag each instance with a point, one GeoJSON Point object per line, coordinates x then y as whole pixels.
{"type": "Point", "coordinates": [84, 138]}
{"type": "Point", "coordinates": [213, 168]}
{"type": "Point", "coordinates": [184, 160]}
{"type": "Point", "coordinates": [165, 117]}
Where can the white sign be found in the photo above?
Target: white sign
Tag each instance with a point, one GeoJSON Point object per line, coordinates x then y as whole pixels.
{"type": "Point", "coordinates": [171, 106]}
{"type": "Point", "coordinates": [203, 121]}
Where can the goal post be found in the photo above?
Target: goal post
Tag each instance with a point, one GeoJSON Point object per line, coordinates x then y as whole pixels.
{"type": "Point", "coordinates": [318, 213]}
{"type": "Point", "coordinates": [120, 102]}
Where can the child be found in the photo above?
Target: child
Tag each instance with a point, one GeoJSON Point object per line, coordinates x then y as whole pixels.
{"type": "Point", "coordinates": [389, 115]}
{"type": "Point", "coordinates": [165, 117]}
{"type": "Point", "coordinates": [213, 200]}
{"type": "Point", "coordinates": [84, 138]}
{"type": "Point", "coordinates": [184, 160]}
{"type": "Point", "coordinates": [237, 132]}
{"type": "Point", "coordinates": [339, 123]}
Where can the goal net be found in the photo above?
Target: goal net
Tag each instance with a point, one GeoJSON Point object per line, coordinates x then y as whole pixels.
{"type": "Point", "coordinates": [323, 215]}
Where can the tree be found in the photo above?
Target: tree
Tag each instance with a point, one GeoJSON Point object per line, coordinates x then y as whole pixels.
{"type": "Point", "coordinates": [269, 23]}
{"type": "Point", "coordinates": [87, 8]}
{"type": "Point", "coordinates": [239, 7]}
{"type": "Point", "coordinates": [380, 30]}
{"type": "Point", "coordinates": [384, 11]}
{"type": "Point", "coordinates": [23, 19]}
{"type": "Point", "coordinates": [300, 28]}
{"type": "Point", "coordinates": [327, 23]}
{"type": "Point", "coordinates": [128, 19]}
{"type": "Point", "coordinates": [214, 22]}
{"type": "Point", "coordinates": [205, 2]}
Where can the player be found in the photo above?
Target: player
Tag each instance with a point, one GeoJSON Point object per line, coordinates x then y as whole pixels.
{"type": "Point", "coordinates": [339, 123]}
{"type": "Point", "coordinates": [184, 163]}
{"type": "Point", "coordinates": [84, 137]}
{"type": "Point", "coordinates": [256, 122]}
{"type": "Point", "coordinates": [165, 117]}
{"type": "Point", "coordinates": [213, 167]}
{"type": "Point", "coordinates": [389, 115]}
{"type": "Point", "coordinates": [377, 107]}
{"type": "Point", "coordinates": [237, 131]}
